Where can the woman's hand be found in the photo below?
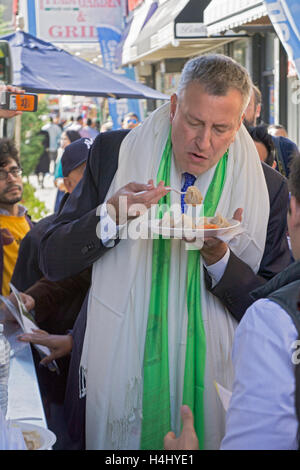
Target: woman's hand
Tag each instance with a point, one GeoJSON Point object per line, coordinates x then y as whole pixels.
{"type": "Point", "coordinates": [59, 345]}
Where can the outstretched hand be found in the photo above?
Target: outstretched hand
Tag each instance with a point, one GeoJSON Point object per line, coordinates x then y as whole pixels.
{"type": "Point", "coordinates": [59, 345]}
{"type": "Point", "coordinates": [188, 439]}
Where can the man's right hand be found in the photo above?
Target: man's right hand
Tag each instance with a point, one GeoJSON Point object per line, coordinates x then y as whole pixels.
{"type": "Point", "coordinates": [59, 345]}
{"type": "Point", "coordinates": [133, 199]}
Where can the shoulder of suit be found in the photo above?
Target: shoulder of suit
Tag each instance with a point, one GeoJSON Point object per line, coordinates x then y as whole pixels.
{"type": "Point", "coordinates": [107, 138]}
{"type": "Point", "coordinates": [104, 152]}
{"type": "Point", "coordinates": [273, 176]}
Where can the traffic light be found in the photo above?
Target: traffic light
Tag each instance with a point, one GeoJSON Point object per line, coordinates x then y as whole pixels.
{"type": "Point", "coordinates": [5, 63]}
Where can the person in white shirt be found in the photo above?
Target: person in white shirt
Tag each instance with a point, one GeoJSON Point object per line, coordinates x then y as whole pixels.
{"type": "Point", "coordinates": [54, 132]}
{"type": "Point", "coordinates": [263, 410]}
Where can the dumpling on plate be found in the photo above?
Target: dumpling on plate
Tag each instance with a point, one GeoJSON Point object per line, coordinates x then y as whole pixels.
{"type": "Point", "coordinates": [220, 220]}
{"type": "Point", "coordinates": [167, 220]}
{"type": "Point", "coordinates": [187, 221]}
{"type": "Point", "coordinates": [193, 196]}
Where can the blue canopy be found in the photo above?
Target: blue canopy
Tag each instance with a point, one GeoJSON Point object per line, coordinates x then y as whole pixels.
{"type": "Point", "coordinates": [285, 16]}
{"type": "Point", "coordinates": [40, 67]}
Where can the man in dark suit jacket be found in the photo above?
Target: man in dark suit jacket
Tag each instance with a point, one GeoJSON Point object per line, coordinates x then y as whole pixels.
{"type": "Point", "coordinates": [238, 279]}
{"type": "Point", "coordinates": [72, 236]}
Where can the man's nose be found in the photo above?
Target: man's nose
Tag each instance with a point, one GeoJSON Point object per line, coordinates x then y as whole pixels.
{"type": "Point", "coordinates": [203, 138]}
{"type": "Point", "coordinates": [11, 177]}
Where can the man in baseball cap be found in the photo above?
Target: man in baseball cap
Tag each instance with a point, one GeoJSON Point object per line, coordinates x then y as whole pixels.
{"type": "Point", "coordinates": [73, 162]}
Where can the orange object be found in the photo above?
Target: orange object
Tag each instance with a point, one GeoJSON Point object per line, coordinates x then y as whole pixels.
{"type": "Point", "coordinates": [207, 226]}
{"type": "Point", "coordinates": [25, 102]}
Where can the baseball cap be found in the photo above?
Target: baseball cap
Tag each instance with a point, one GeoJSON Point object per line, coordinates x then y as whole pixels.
{"type": "Point", "coordinates": [75, 154]}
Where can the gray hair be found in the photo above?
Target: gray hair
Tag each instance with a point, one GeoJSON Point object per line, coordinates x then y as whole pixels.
{"type": "Point", "coordinates": [217, 73]}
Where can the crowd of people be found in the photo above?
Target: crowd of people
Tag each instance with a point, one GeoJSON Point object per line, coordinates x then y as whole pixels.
{"type": "Point", "coordinates": [142, 329]}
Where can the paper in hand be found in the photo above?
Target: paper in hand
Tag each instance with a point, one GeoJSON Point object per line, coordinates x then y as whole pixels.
{"type": "Point", "coordinates": [27, 323]}
{"type": "Point", "coordinates": [224, 395]}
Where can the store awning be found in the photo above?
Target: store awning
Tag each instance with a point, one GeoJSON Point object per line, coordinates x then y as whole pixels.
{"type": "Point", "coordinates": [41, 67]}
{"type": "Point", "coordinates": [175, 30]}
{"type": "Point", "coordinates": [224, 15]}
{"type": "Point", "coordinates": [141, 17]}
{"type": "Point", "coordinates": [285, 17]}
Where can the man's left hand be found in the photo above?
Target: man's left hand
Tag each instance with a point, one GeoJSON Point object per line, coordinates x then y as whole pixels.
{"type": "Point", "coordinates": [214, 249]}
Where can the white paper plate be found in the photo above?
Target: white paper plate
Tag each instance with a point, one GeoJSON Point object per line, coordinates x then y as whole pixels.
{"type": "Point", "coordinates": [181, 233]}
{"type": "Point", "coordinates": [47, 437]}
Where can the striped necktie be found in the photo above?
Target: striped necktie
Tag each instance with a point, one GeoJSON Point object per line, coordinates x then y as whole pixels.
{"type": "Point", "coordinates": [189, 180]}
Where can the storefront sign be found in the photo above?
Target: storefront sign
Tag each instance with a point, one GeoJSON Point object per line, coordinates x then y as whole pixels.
{"type": "Point", "coordinates": [76, 20]}
{"type": "Point", "coordinates": [190, 30]}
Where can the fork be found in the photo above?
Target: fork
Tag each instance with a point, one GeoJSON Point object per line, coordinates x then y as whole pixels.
{"type": "Point", "coordinates": [176, 190]}
{"type": "Point", "coordinates": [166, 187]}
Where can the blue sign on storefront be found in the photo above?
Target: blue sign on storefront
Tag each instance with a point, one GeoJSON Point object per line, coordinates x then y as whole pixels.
{"type": "Point", "coordinates": [285, 17]}
{"type": "Point", "coordinates": [109, 39]}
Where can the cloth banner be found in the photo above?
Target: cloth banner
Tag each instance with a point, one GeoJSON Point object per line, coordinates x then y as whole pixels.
{"type": "Point", "coordinates": [285, 16]}
{"type": "Point", "coordinates": [109, 39]}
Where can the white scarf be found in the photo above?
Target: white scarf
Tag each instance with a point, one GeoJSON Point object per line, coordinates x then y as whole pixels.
{"type": "Point", "coordinates": [112, 358]}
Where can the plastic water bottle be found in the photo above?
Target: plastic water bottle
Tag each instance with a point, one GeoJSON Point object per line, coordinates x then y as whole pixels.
{"type": "Point", "coordinates": [4, 370]}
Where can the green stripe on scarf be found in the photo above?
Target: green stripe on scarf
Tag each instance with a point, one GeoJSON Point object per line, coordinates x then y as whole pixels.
{"type": "Point", "coordinates": [156, 388]}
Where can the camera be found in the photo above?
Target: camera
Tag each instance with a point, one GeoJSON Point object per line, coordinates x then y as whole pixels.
{"type": "Point", "coordinates": [18, 101]}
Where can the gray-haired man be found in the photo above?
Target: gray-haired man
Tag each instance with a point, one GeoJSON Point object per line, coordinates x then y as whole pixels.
{"type": "Point", "coordinates": [155, 335]}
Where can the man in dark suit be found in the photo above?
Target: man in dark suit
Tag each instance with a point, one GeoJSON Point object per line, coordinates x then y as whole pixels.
{"type": "Point", "coordinates": [72, 242]}
{"type": "Point", "coordinates": [79, 217]}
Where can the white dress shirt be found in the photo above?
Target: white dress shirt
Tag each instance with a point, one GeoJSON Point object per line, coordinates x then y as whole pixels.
{"type": "Point", "coordinates": [262, 414]}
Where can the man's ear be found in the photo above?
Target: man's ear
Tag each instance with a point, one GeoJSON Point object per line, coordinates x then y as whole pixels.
{"type": "Point", "coordinates": [238, 128]}
{"type": "Point", "coordinates": [173, 106]}
{"type": "Point", "coordinates": [258, 111]}
{"type": "Point", "coordinates": [67, 184]}
{"type": "Point", "coordinates": [294, 212]}
{"type": "Point", "coordinates": [241, 121]}
{"type": "Point", "coordinates": [297, 212]}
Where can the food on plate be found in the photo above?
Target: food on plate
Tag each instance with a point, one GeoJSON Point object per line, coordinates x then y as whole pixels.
{"type": "Point", "coordinates": [210, 226]}
{"type": "Point", "coordinates": [186, 222]}
{"type": "Point", "coordinates": [220, 221]}
{"type": "Point", "coordinates": [193, 196]}
{"type": "Point", "coordinates": [32, 439]}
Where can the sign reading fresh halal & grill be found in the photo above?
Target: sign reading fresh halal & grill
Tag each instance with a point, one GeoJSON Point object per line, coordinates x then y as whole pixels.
{"type": "Point", "coordinates": [75, 20]}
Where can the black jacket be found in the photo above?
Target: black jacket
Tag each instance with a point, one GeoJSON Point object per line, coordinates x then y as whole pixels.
{"type": "Point", "coordinates": [239, 280]}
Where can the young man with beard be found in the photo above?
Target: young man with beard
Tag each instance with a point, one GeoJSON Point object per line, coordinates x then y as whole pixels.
{"type": "Point", "coordinates": [14, 222]}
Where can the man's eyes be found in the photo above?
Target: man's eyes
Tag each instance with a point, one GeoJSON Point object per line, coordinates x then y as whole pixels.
{"type": "Point", "coordinates": [194, 123]}
{"type": "Point", "coordinates": [220, 130]}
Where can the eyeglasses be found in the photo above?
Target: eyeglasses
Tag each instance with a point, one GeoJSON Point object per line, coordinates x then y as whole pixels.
{"type": "Point", "coordinates": [131, 121]}
{"type": "Point", "coordinates": [15, 172]}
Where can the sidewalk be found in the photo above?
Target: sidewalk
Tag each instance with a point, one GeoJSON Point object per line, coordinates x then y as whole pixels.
{"type": "Point", "coordinates": [46, 194]}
